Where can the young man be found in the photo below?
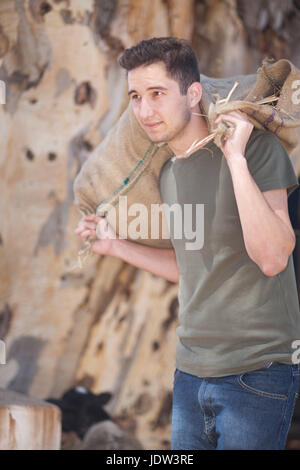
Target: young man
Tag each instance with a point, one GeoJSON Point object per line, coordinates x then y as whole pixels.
{"type": "Point", "coordinates": [235, 384]}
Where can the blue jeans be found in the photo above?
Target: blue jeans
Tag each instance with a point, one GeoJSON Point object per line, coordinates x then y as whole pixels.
{"type": "Point", "coordinates": [247, 411]}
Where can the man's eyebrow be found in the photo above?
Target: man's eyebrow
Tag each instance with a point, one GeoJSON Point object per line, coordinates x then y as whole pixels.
{"type": "Point", "coordinates": [149, 88]}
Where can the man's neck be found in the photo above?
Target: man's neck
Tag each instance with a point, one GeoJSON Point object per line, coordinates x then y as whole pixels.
{"type": "Point", "coordinates": [195, 130]}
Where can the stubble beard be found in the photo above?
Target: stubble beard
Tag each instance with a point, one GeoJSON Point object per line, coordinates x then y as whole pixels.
{"type": "Point", "coordinates": [175, 133]}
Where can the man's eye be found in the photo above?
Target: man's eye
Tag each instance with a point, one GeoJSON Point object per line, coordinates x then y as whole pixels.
{"type": "Point", "coordinates": [135, 97]}
{"type": "Point", "coordinates": [158, 93]}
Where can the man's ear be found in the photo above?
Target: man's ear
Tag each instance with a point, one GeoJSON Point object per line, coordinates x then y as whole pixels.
{"type": "Point", "coordinates": [194, 93]}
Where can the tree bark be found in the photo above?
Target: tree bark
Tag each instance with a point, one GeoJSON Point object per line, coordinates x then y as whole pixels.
{"type": "Point", "coordinates": [110, 327]}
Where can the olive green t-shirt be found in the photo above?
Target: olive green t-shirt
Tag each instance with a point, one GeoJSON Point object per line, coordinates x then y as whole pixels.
{"type": "Point", "coordinates": [232, 317]}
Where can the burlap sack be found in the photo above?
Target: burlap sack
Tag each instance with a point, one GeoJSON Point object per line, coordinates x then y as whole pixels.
{"type": "Point", "coordinates": [280, 79]}
{"type": "Point", "coordinates": [127, 164]}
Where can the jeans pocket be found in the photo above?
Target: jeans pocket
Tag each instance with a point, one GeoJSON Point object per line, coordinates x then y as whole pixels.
{"type": "Point", "coordinates": [269, 382]}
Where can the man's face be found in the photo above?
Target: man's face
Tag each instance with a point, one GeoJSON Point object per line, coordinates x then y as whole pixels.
{"type": "Point", "coordinates": [157, 103]}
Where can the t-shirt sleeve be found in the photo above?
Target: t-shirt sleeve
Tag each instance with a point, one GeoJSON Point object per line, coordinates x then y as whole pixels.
{"type": "Point", "coordinates": [269, 163]}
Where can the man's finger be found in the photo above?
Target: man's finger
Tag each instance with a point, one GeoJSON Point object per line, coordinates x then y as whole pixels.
{"type": "Point", "coordinates": [83, 226]}
{"type": "Point", "coordinates": [88, 233]}
{"type": "Point", "coordinates": [226, 117]}
{"type": "Point", "coordinates": [233, 116]}
{"type": "Point", "coordinates": [94, 218]}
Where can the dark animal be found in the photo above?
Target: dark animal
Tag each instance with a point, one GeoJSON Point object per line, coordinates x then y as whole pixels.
{"type": "Point", "coordinates": [81, 409]}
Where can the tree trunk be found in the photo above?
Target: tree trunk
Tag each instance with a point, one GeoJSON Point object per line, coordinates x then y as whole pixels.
{"type": "Point", "coordinates": [28, 423]}
{"type": "Point", "coordinates": [110, 327]}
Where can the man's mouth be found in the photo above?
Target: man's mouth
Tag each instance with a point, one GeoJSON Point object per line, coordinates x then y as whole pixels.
{"type": "Point", "coordinates": [152, 125]}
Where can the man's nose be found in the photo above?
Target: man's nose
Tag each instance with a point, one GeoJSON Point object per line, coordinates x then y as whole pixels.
{"type": "Point", "coordinates": [146, 111]}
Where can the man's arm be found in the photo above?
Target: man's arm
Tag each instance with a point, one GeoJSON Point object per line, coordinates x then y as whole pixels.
{"type": "Point", "coordinates": [159, 261]}
{"type": "Point", "coordinates": [268, 234]}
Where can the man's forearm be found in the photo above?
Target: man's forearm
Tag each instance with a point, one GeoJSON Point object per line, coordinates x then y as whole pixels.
{"type": "Point", "coordinates": [268, 240]}
{"type": "Point", "coordinates": [159, 261]}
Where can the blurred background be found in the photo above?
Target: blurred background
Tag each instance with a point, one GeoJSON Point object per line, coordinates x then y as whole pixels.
{"type": "Point", "coordinates": [108, 331]}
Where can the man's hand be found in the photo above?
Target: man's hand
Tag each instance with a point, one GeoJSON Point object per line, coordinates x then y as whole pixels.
{"type": "Point", "coordinates": [158, 261]}
{"type": "Point", "coordinates": [267, 232]}
{"type": "Point", "coordinates": [234, 147]}
{"type": "Point", "coordinates": [98, 231]}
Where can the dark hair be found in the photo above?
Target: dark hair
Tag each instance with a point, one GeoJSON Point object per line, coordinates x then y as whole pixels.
{"type": "Point", "coordinates": [177, 55]}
